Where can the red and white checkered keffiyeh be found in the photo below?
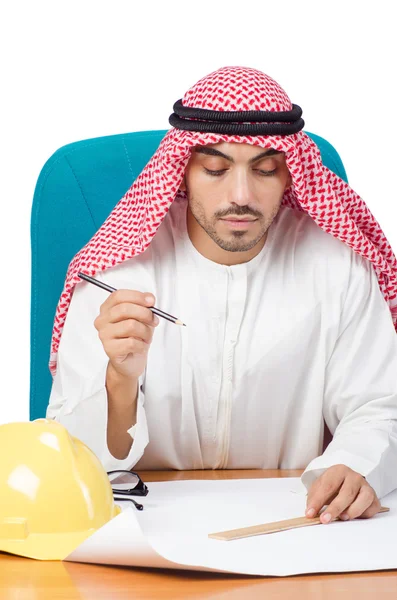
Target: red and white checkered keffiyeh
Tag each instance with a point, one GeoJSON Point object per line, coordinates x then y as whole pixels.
{"type": "Point", "coordinates": [331, 203]}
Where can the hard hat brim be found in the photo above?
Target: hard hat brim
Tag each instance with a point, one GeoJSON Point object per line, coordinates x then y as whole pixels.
{"type": "Point", "coordinates": [48, 546]}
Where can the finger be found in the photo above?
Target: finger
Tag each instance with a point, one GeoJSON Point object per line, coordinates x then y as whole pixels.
{"type": "Point", "coordinates": [129, 296]}
{"type": "Point", "coordinates": [372, 510]}
{"type": "Point", "coordinates": [126, 329]}
{"type": "Point", "coordinates": [365, 506]}
{"type": "Point", "coordinates": [323, 490]}
{"type": "Point", "coordinates": [122, 347]}
{"type": "Point", "coordinates": [348, 494]}
{"type": "Point", "coordinates": [126, 311]}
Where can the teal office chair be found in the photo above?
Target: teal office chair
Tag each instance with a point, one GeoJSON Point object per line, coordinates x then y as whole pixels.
{"type": "Point", "coordinates": [75, 192]}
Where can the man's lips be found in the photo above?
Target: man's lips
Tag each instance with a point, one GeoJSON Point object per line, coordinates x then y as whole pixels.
{"type": "Point", "coordinates": [238, 223]}
{"type": "Point", "coordinates": [234, 220]}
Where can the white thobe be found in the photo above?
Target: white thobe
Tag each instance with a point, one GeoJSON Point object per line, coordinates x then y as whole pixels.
{"type": "Point", "coordinates": [299, 335]}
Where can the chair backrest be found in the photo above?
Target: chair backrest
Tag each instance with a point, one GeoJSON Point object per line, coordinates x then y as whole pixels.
{"type": "Point", "coordinates": [75, 192]}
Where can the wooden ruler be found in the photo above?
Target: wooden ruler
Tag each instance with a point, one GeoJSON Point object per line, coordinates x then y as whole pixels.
{"type": "Point", "coordinates": [236, 534]}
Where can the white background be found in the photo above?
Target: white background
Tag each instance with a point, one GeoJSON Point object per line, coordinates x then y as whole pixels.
{"type": "Point", "coordinates": [80, 69]}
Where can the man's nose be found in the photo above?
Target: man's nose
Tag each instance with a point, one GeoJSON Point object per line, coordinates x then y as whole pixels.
{"type": "Point", "coordinates": [240, 190]}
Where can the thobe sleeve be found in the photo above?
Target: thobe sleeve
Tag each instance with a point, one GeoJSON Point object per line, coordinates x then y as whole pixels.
{"type": "Point", "coordinates": [360, 395]}
{"type": "Point", "coordinates": [78, 397]}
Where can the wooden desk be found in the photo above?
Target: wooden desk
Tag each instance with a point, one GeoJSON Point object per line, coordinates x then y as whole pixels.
{"type": "Point", "coordinates": [24, 579]}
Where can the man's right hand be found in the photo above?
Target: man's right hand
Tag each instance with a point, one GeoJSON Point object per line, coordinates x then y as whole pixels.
{"type": "Point", "coordinates": [125, 327]}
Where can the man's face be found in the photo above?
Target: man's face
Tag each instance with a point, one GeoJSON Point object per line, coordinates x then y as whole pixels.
{"type": "Point", "coordinates": [235, 191]}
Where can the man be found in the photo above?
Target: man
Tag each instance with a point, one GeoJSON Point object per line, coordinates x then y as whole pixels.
{"type": "Point", "coordinates": [287, 287]}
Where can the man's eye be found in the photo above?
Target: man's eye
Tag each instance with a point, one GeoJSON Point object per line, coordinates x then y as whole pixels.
{"type": "Point", "coordinates": [215, 173]}
{"type": "Point", "coordinates": [265, 173]}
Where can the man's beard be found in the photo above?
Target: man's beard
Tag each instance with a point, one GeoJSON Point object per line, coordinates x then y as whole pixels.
{"type": "Point", "coordinates": [237, 242]}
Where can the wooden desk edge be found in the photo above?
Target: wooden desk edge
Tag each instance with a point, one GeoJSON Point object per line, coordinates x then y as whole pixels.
{"type": "Point", "coordinates": [217, 474]}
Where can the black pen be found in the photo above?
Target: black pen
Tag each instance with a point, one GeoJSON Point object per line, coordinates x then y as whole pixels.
{"type": "Point", "coordinates": [109, 288]}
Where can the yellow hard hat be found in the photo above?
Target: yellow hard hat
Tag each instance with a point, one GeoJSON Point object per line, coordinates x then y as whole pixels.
{"type": "Point", "coordinates": [54, 492]}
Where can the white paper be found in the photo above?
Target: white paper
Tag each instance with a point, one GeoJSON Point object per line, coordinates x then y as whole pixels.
{"type": "Point", "coordinates": [172, 532]}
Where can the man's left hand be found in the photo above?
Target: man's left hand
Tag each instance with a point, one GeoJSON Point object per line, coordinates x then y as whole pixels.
{"type": "Point", "coordinates": [347, 494]}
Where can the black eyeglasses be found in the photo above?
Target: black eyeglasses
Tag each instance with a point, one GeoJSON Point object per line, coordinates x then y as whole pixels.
{"type": "Point", "coordinates": [127, 483]}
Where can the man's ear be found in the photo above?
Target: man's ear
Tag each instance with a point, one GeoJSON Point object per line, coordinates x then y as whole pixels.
{"type": "Point", "coordinates": [289, 182]}
{"type": "Point", "coordinates": [182, 186]}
